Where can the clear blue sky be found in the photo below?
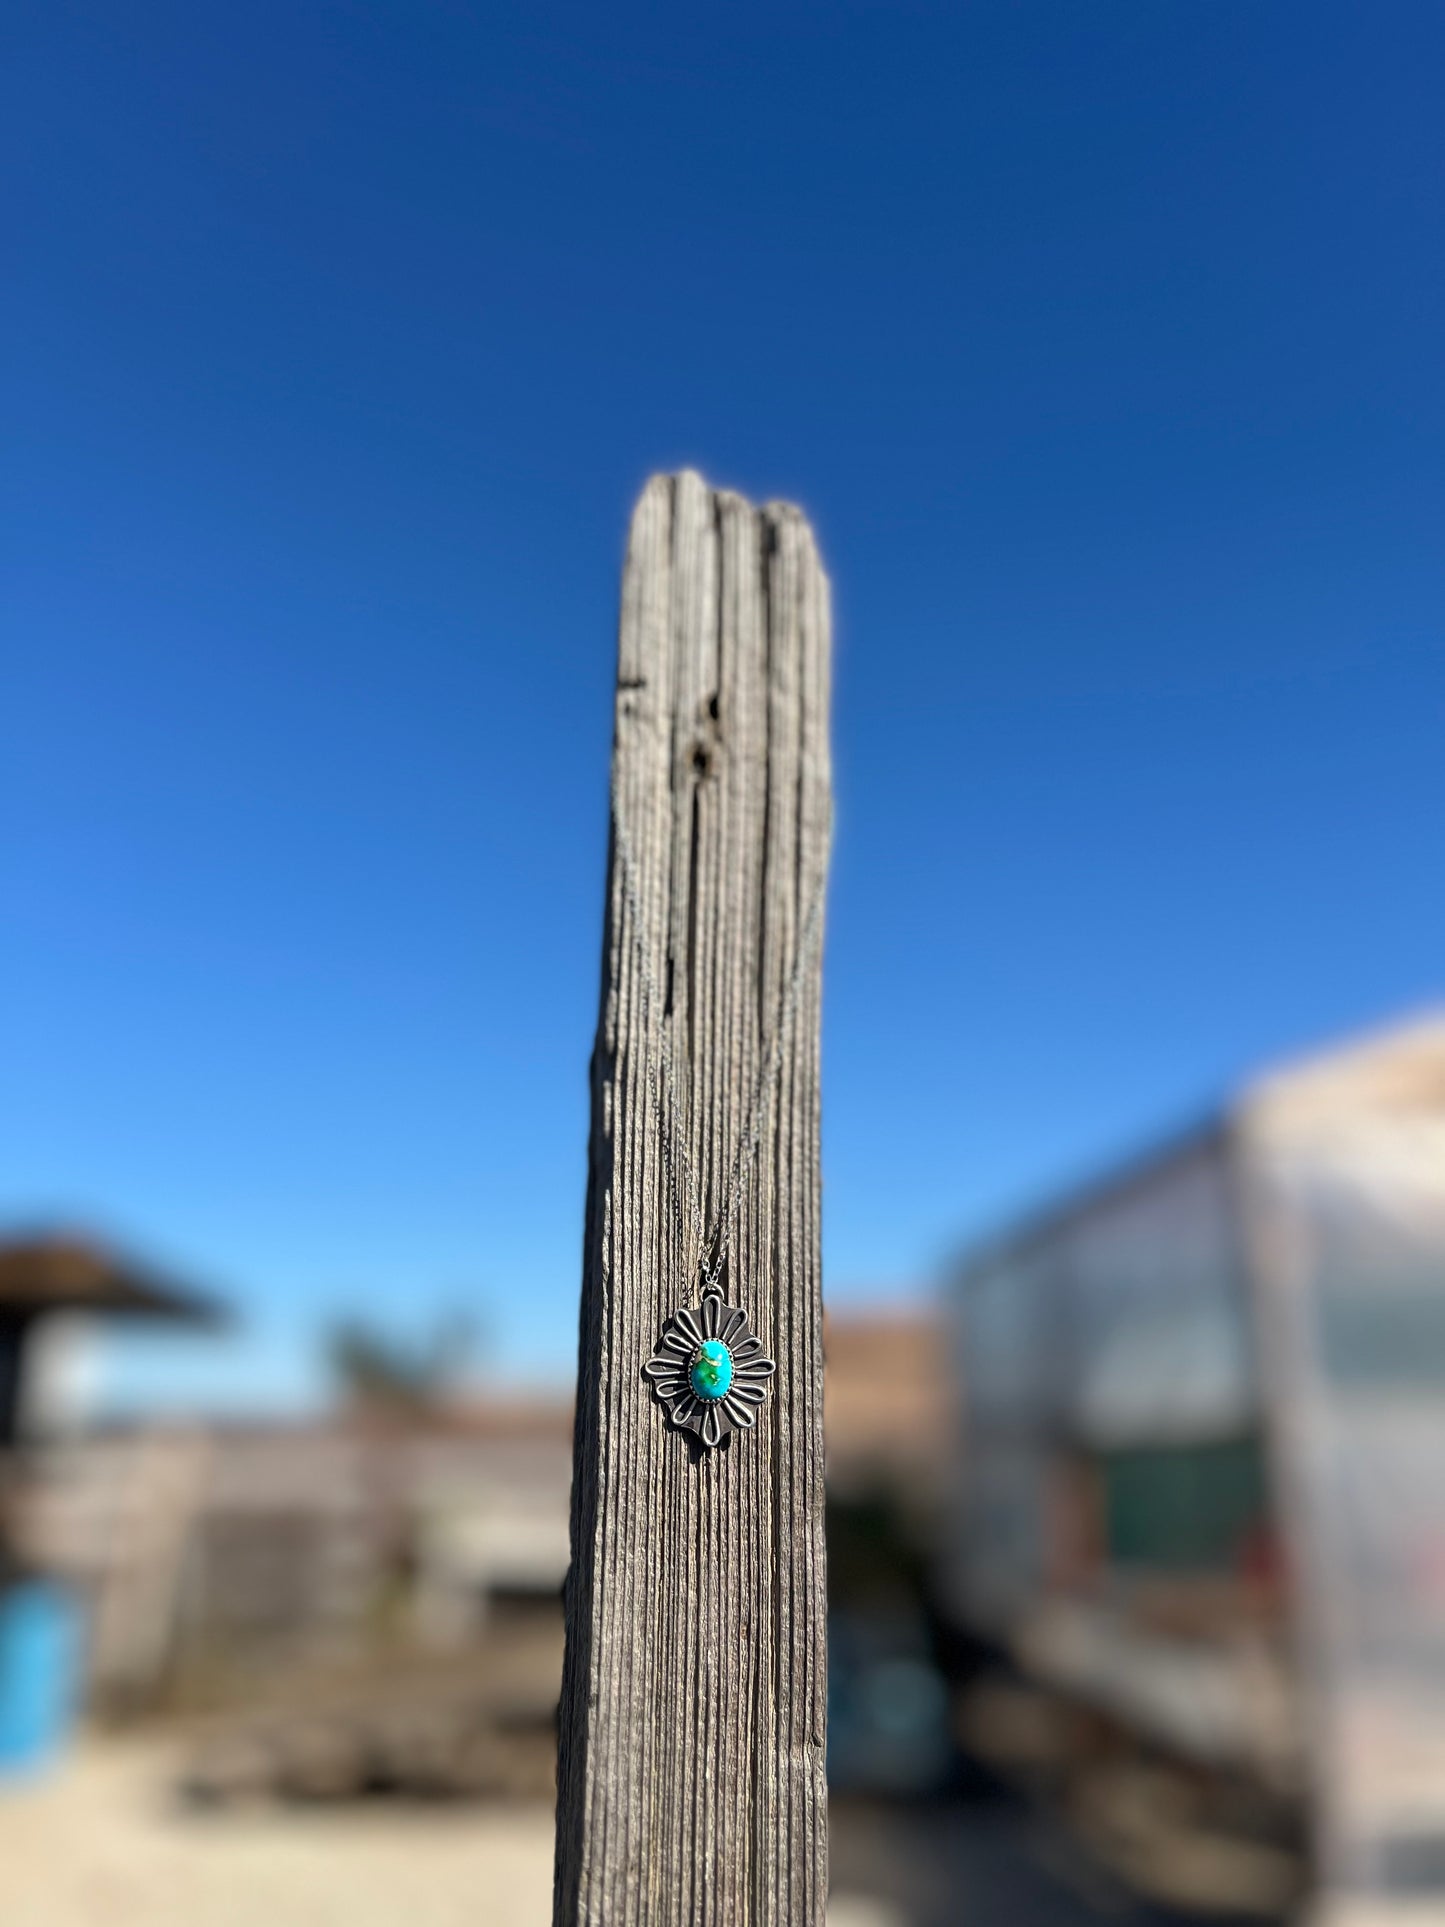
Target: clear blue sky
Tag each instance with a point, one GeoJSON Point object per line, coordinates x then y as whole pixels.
{"type": "Point", "coordinates": [1104, 345]}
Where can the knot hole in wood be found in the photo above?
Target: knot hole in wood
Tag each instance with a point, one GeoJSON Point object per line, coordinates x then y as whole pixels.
{"type": "Point", "coordinates": [706, 750]}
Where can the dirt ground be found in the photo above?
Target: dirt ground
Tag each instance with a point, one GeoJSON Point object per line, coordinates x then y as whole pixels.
{"type": "Point", "coordinates": [104, 1842]}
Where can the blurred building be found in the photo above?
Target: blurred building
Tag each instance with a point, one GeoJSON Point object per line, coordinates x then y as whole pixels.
{"type": "Point", "coordinates": [1203, 1524]}
{"type": "Point", "coordinates": [45, 1280]}
{"type": "Point", "coordinates": [47, 1284]}
{"type": "Point", "coordinates": [890, 1403]}
{"type": "Point", "coordinates": [891, 1418]}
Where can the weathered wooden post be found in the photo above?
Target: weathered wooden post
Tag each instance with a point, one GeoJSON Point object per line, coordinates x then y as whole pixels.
{"type": "Point", "coordinates": [691, 1770]}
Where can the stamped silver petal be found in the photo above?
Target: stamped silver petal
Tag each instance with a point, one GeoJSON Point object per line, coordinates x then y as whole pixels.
{"type": "Point", "coordinates": [748, 1347]}
{"type": "Point", "coordinates": [685, 1410]}
{"type": "Point", "coordinates": [754, 1368]}
{"type": "Point", "coordinates": [669, 1389]}
{"type": "Point", "coordinates": [711, 1424]}
{"type": "Point", "coordinates": [660, 1365]}
{"type": "Point", "coordinates": [733, 1325]}
{"type": "Point", "coordinates": [711, 1305]}
{"type": "Point", "coordinates": [748, 1391]}
{"type": "Point", "coordinates": [740, 1413]}
{"type": "Point", "coordinates": [686, 1322]}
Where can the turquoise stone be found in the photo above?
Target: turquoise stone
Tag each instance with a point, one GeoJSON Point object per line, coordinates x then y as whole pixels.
{"type": "Point", "coordinates": [712, 1369]}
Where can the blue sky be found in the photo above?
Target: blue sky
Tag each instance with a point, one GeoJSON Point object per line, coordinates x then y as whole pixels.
{"type": "Point", "coordinates": [1101, 343]}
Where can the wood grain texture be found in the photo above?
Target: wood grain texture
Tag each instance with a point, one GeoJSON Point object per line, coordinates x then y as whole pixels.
{"type": "Point", "coordinates": [691, 1765]}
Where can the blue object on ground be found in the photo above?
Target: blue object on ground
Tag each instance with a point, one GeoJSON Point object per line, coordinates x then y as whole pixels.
{"type": "Point", "coordinates": [40, 1653]}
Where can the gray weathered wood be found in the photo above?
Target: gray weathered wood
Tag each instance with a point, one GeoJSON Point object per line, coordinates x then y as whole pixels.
{"type": "Point", "coordinates": [691, 1770]}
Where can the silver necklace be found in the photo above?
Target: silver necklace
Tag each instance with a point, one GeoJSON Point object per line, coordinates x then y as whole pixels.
{"type": "Point", "coordinates": [709, 1370]}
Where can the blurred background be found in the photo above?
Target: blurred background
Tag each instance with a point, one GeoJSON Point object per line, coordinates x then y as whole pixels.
{"type": "Point", "coordinates": [1102, 345]}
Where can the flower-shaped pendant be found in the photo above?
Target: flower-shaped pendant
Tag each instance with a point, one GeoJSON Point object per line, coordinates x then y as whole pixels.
{"type": "Point", "coordinates": [709, 1370]}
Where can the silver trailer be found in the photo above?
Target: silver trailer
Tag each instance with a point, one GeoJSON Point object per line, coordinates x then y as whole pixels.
{"type": "Point", "coordinates": [1203, 1507]}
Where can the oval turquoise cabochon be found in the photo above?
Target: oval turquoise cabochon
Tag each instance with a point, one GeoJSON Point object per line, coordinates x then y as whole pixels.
{"type": "Point", "coordinates": [712, 1369]}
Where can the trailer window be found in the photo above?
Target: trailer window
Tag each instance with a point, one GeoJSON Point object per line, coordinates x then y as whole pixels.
{"type": "Point", "coordinates": [1184, 1508]}
{"type": "Point", "coordinates": [1388, 1336]}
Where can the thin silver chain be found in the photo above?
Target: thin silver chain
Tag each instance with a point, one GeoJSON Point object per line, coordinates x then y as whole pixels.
{"type": "Point", "coordinates": [662, 1073]}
